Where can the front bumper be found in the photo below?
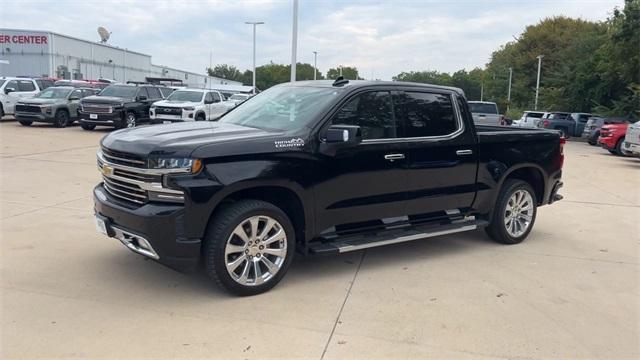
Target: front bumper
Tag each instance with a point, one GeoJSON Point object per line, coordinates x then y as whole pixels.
{"type": "Point", "coordinates": [632, 148]}
{"type": "Point", "coordinates": [608, 142]}
{"type": "Point", "coordinates": [152, 230]}
{"type": "Point", "coordinates": [40, 117]}
{"type": "Point", "coordinates": [110, 119]}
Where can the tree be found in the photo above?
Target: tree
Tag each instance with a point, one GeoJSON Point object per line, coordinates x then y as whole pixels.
{"type": "Point", "coordinates": [348, 72]}
{"type": "Point", "coordinates": [225, 71]}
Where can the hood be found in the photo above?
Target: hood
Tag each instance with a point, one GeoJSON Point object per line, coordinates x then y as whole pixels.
{"type": "Point", "coordinates": [170, 103]}
{"type": "Point", "coordinates": [94, 99]}
{"type": "Point", "coordinates": [39, 101]}
{"type": "Point", "coordinates": [183, 139]}
{"type": "Point", "coordinates": [622, 126]}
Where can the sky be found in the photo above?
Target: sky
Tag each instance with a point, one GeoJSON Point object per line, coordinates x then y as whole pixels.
{"type": "Point", "coordinates": [380, 38]}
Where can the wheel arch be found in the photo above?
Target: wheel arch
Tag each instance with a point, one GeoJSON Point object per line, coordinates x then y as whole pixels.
{"type": "Point", "coordinates": [529, 173]}
{"type": "Point", "coordinates": [289, 200]}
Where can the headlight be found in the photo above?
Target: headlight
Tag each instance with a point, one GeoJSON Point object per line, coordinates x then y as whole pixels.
{"type": "Point", "coordinates": [188, 108]}
{"type": "Point", "coordinates": [192, 165]}
{"type": "Point", "coordinates": [47, 109]}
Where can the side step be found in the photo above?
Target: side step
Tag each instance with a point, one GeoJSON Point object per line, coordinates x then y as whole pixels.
{"type": "Point", "coordinates": [387, 237]}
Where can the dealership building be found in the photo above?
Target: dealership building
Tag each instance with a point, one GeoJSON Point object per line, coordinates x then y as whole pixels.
{"type": "Point", "coordinates": [48, 54]}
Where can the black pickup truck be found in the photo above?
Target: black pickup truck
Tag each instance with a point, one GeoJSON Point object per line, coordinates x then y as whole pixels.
{"type": "Point", "coordinates": [320, 168]}
{"type": "Point", "coordinates": [119, 106]}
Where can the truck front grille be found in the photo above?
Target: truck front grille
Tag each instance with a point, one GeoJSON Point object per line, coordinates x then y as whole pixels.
{"type": "Point", "coordinates": [125, 190]}
{"type": "Point", "coordinates": [28, 108]}
{"type": "Point", "coordinates": [126, 178]}
{"type": "Point", "coordinates": [123, 158]}
{"type": "Point", "coordinates": [97, 108]}
{"type": "Point", "coordinates": [168, 111]}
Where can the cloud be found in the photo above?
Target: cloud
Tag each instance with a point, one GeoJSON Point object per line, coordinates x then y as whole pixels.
{"type": "Point", "coordinates": [384, 37]}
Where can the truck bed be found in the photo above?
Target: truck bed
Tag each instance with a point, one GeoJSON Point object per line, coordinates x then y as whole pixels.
{"type": "Point", "coordinates": [501, 134]}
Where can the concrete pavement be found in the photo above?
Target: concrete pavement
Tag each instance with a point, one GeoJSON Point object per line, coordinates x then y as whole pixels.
{"type": "Point", "coordinates": [571, 290]}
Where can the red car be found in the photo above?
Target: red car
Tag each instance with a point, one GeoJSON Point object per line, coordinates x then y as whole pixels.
{"type": "Point", "coordinates": [612, 137]}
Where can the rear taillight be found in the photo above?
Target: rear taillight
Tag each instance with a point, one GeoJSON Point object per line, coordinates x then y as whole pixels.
{"type": "Point", "coordinates": [562, 142]}
{"type": "Point", "coordinates": [502, 120]}
{"type": "Point", "coordinates": [545, 123]}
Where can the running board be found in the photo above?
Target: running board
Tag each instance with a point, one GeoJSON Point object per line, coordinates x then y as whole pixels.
{"type": "Point", "coordinates": [387, 237]}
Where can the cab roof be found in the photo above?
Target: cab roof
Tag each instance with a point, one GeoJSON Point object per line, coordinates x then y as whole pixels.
{"type": "Point", "coordinates": [367, 83]}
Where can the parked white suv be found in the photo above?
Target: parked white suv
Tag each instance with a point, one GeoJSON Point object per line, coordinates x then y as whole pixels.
{"type": "Point", "coordinates": [189, 105]}
{"type": "Point", "coordinates": [12, 89]}
{"type": "Point", "coordinates": [529, 119]}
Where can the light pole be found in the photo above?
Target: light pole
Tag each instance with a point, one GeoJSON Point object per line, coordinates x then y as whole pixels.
{"type": "Point", "coordinates": [509, 90]}
{"type": "Point", "coordinates": [340, 70]}
{"type": "Point", "coordinates": [315, 64]}
{"type": "Point", "coordinates": [294, 40]}
{"type": "Point", "coordinates": [254, 23]}
{"type": "Point", "coordinates": [482, 90]}
{"type": "Point", "coordinates": [535, 106]}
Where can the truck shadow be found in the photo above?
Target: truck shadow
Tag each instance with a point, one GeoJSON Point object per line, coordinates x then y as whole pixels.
{"type": "Point", "coordinates": [305, 273]}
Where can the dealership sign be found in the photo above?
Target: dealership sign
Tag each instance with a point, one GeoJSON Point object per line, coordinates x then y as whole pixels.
{"type": "Point", "coordinates": [23, 39]}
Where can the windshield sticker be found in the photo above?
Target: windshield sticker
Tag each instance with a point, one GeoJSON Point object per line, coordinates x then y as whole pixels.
{"type": "Point", "coordinates": [293, 143]}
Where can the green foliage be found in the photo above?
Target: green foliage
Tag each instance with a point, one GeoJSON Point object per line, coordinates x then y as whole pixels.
{"type": "Point", "coordinates": [225, 71]}
{"type": "Point", "coordinates": [587, 66]}
{"type": "Point", "coordinates": [348, 72]}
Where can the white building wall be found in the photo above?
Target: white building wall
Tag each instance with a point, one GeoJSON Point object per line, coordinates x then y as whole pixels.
{"type": "Point", "coordinates": [67, 57]}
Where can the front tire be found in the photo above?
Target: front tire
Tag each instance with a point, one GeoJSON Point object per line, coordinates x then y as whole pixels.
{"type": "Point", "coordinates": [129, 121]}
{"type": "Point", "coordinates": [514, 213]}
{"type": "Point", "coordinates": [248, 247]}
{"type": "Point", "coordinates": [61, 119]}
{"type": "Point", "coordinates": [86, 126]}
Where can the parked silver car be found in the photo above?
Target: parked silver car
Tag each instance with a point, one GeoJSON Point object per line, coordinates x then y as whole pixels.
{"type": "Point", "coordinates": [57, 105]}
{"type": "Point", "coordinates": [485, 113]}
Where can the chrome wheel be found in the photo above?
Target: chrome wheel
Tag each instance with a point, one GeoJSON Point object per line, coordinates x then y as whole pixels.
{"type": "Point", "coordinates": [518, 213]}
{"type": "Point", "coordinates": [256, 250]}
{"type": "Point", "coordinates": [131, 120]}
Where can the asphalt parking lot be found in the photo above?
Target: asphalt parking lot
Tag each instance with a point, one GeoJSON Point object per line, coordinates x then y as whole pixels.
{"type": "Point", "coordinates": [571, 290]}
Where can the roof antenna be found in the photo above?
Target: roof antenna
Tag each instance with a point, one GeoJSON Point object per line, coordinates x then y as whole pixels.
{"type": "Point", "coordinates": [340, 81]}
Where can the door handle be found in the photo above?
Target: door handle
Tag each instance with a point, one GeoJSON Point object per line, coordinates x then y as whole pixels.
{"type": "Point", "coordinates": [464, 152]}
{"type": "Point", "coordinates": [392, 157]}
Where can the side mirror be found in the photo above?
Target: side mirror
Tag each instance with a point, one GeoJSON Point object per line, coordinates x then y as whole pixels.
{"type": "Point", "coordinates": [142, 98]}
{"type": "Point", "coordinates": [343, 134]}
{"type": "Point", "coordinates": [8, 90]}
{"type": "Point", "coordinates": [207, 102]}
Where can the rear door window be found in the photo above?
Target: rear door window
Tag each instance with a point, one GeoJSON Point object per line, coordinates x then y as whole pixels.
{"type": "Point", "coordinates": [143, 92]}
{"type": "Point", "coordinates": [424, 114]}
{"type": "Point", "coordinates": [26, 85]}
{"type": "Point", "coordinates": [154, 93]}
{"type": "Point", "coordinates": [372, 111]}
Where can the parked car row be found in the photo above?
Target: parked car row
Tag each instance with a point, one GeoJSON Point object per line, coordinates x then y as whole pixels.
{"type": "Point", "coordinates": [119, 105]}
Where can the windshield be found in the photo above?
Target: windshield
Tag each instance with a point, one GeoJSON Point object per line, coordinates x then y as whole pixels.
{"type": "Point", "coordinates": [192, 96]}
{"type": "Point", "coordinates": [54, 93]}
{"type": "Point", "coordinates": [119, 91]}
{"type": "Point", "coordinates": [238, 97]}
{"type": "Point", "coordinates": [282, 108]}
{"type": "Point", "coordinates": [480, 108]}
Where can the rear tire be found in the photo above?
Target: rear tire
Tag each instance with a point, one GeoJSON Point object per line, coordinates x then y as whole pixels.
{"type": "Point", "coordinates": [86, 126]}
{"type": "Point", "coordinates": [25, 122]}
{"type": "Point", "coordinates": [233, 258]}
{"type": "Point", "coordinates": [61, 119]}
{"type": "Point", "coordinates": [514, 214]}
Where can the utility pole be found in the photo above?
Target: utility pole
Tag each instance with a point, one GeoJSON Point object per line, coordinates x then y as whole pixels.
{"type": "Point", "coordinates": [315, 65]}
{"type": "Point", "coordinates": [535, 106]}
{"type": "Point", "coordinates": [254, 23]}
{"type": "Point", "coordinates": [509, 91]}
{"type": "Point", "coordinates": [340, 70]}
{"type": "Point", "coordinates": [482, 90]}
{"type": "Point", "coordinates": [294, 40]}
